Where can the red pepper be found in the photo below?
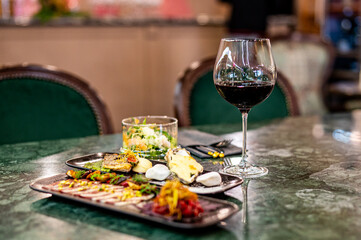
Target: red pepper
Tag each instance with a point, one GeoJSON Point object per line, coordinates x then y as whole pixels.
{"type": "Point", "coordinates": [190, 208]}
{"type": "Point", "coordinates": [132, 159]}
{"type": "Point", "coordinates": [182, 205]}
{"type": "Point", "coordinates": [163, 210]}
{"type": "Point", "coordinates": [196, 212]}
{"type": "Point", "coordinates": [125, 184]}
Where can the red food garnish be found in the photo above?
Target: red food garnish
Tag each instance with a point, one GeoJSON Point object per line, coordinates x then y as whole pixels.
{"type": "Point", "coordinates": [190, 208]}
{"type": "Point", "coordinates": [175, 199]}
{"type": "Point", "coordinates": [132, 159]}
{"type": "Point", "coordinates": [163, 210]}
{"type": "Point", "coordinates": [125, 184]}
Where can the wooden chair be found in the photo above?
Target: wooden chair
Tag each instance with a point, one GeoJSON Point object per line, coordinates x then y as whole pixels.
{"type": "Point", "coordinates": [307, 61]}
{"type": "Point", "coordinates": [197, 101]}
{"type": "Point", "coordinates": [41, 103]}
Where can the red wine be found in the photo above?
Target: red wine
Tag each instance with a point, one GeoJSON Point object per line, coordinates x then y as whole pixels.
{"type": "Point", "coordinates": [245, 95]}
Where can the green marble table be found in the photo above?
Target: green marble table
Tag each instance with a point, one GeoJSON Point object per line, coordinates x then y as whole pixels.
{"type": "Point", "coordinates": [312, 191]}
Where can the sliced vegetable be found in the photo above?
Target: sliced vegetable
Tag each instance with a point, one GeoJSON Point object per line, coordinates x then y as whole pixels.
{"type": "Point", "coordinates": [175, 199]}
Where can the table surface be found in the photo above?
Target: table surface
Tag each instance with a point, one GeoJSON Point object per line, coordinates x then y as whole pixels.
{"type": "Point", "coordinates": [312, 191]}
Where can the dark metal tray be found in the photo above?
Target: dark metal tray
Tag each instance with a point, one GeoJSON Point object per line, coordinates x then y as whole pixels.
{"type": "Point", "coordinates": [215, 210]}
{"type": "Point", "coordinates": [228, 181]}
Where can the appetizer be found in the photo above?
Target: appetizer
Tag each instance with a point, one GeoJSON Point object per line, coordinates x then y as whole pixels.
{"type": "Point", "coordinates": [123, 162]}
{"type": "Point", "coordinates": [185, 167]}
{"type": "Point", "coordinates": [120, 162]}
{"type": "Point", "coordinates": [104, 187]}
{"type": "Point", "coordinates": [148, 139]}
{"type": "Point", "coordinates": [180, 165]}
{"type": "Point", "coordinates": [175, 200]}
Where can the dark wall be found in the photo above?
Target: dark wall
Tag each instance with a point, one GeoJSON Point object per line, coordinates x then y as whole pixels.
{"type": "Point", "coordinates": [251, 15]}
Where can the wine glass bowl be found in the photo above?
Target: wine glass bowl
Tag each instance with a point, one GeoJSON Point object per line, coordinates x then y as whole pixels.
{"type": "Point", "coordinates": [245, 75]}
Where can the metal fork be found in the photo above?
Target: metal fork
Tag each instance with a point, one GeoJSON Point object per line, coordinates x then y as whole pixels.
{"type": "Point", "coordinates": [223, 143]}
{"type": "Point", "coordinates": [227, 162]}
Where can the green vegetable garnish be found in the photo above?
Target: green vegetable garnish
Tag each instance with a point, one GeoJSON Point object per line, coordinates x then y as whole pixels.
{"type": "Point", "coordinates": [96, 166]}
{"type": "Point", "coordinates": [79, 174]}
{"type": "Point", "coordinates": [93, 177]}
{"type": "Point", "coordinates": [115, 179]}
{"type": "Point", "coordinates": [139, 178]}
{"type": "Point", "coordinates": [149, 188]}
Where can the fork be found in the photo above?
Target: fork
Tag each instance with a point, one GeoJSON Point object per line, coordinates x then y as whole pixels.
{"type": "Point", "coordinates": [210, 150]}
{"type": "Point", "coordinates": [227, 162]}
{"type": "Point", "coordinates": [214, 150]}
{"type": "Point", "coordinates": [223, 143]}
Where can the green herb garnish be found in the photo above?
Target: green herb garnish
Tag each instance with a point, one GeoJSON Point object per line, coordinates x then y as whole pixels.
{"type": "Point", "coordinates": [94, 176]}
{"type": "Point", "coordinates": [139, 178]}
{"type": "Point", "coordinates": [96, 166]}
{"type": "Point", "coordinates": [115, 180]}
{"type": "Point", "coordinates": [149, 189]}
{"type": "Point", "coordinates": [79, 174]}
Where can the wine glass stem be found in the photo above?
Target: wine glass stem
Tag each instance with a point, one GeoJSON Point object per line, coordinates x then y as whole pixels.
{"type": "Point", "coordinates": [244, 131]}
{"type": "Point", "coordinates": [245, 200]}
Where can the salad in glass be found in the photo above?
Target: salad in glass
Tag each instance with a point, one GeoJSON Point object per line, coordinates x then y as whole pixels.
{"type": "Point", "coordinates": [150, 136]}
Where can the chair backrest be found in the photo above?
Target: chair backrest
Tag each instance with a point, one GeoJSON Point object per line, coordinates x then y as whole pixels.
{"type": "Point", "coordinates": [307, 61]}
{"type": "Point", "coordinates": [42, 103]}
{"type": "Point", "coordinates": [197, 101]}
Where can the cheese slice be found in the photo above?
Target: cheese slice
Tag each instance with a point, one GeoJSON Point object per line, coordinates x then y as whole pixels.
{"type": "Point", "coordinates": [185, 167]}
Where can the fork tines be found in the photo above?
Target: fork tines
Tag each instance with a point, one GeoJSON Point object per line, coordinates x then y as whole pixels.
{"type": "Point", "coordinates": [227, 162]}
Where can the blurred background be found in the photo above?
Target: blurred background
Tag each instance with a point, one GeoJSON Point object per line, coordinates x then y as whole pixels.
{"type": "Point", "coordinates": [132, 52]}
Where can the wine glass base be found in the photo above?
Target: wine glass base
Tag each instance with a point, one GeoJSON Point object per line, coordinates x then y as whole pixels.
{"type": "Point", "coordinates": [250, 171]}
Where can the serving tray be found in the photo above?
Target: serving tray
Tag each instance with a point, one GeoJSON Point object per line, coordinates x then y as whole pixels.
{"type": "Point", "coordinates": [228, 181]}
{"type": "Point", "coordinates": [215, 210]}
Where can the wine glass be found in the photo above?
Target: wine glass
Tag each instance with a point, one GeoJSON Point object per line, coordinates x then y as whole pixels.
{"type": "Point", "coordinates": [245, 75]}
